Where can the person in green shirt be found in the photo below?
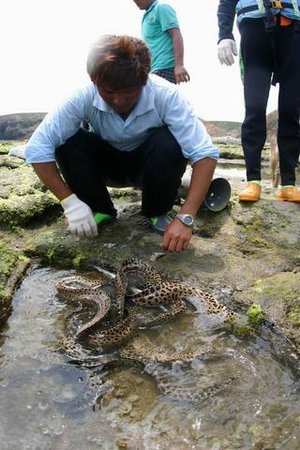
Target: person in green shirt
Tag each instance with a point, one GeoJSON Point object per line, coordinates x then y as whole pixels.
{"type": "Point", "coordinates": [161, 33]}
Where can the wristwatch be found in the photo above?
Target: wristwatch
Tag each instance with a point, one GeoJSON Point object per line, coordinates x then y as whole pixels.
{"type": "Point", "coordinates": [186, 219]}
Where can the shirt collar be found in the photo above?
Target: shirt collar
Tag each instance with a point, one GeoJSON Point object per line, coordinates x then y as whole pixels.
{"type": "Point", "coordinates": [151, 6]}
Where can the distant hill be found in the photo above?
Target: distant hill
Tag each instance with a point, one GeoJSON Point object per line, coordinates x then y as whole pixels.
{"type": "Point", "coordinates": [233, 129]}
{"type": "Point", "coordinates": [219, 128]}
{"type": "Point", "coordinates": [21, 126]}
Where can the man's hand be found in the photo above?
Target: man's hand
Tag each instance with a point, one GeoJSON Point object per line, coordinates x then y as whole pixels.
{"type": "Point", "coordinates": [181, 74]}
{"type": "Point", "coordinates": [226, 51]}
{"type": "Point", "coordinates": [79, 217]}
{"type": "Point", "coordinates": [176, 237]}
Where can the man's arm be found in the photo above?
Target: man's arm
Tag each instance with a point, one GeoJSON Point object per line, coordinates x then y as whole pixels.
{"type": "Point", "coordinates": [49, 175]}
{"type": "Point", "coordinates": [177, 236]}
{"type": "Point", "coordinates": [226, 14]}
{"type": "Point", "coordinates": [181, 74]}
{"type": "Point", "coordinates": [202, 174]}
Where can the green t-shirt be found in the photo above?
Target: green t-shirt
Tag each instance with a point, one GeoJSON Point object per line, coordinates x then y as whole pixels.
{"type": "Point", "coordinates": [157, 20]}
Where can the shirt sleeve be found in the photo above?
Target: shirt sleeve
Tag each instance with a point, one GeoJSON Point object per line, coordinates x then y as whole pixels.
{"type": "Point", "coordinates": [188, 130]}
{"type": "Point", "coordinates": [167, 17]}
{"type": "Point", "coordinates": [226, 15]}
{"type": "Point", "coordinates": [55, 129]}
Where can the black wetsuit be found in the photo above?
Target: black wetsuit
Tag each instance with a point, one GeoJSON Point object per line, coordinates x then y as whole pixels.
{"type": "Point", "coordinates": [267, 54]}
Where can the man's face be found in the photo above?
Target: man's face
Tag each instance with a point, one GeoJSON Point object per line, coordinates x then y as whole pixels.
{"type": "Point", "coordinates": [143, 4]}
{"type": "Point", "coordinates": [121, 101]}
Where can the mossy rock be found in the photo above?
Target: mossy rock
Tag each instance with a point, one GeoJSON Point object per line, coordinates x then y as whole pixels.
{"type": "Point", "coordinates": [235, 151]}
{"type": "Point", "coordinates": [13, 263]}
{"type": "Point", "coordinates": [20, 210]}
{"type": "Point", "coordinates": [278, 298]}
{"type": "Point", "coordinates": [55, 246]}
{"type": "Point", "coordinates": [5, 146]}
{"type": "Point", "coordinates": [269, 224]}
{"type": "Point", "coordinates": [22, 196]}
{"type": "Point", "coordinates": [230, 151]}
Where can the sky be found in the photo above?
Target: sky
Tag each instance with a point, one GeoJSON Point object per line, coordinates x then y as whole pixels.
{"type": "Point", "coordinates": [44, 45]}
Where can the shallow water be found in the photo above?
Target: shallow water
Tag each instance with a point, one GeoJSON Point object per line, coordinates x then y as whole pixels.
{"type": "Point", "coordinates": [48, 403]}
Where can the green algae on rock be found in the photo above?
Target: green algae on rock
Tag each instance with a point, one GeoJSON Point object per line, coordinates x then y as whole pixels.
{"type": "Point", "coordinates": [255, 314]}
{"type": "Point", "coordinates": [22, 195]}
{"type": "Point", "coordinates": [12, 266]}
{"type": "Point", "coordinates": [20, 210]}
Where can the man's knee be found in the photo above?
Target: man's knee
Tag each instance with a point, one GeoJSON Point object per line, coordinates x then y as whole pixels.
{"type": "Point", "coordinates": [166, 148]}
{"type": "Point", "coordinates": [163, 137]}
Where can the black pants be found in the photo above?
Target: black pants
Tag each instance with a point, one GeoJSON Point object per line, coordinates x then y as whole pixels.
{"type": "Point", "coordinates": [259, 63]}
{"type": "Point", "coordinates": [89, 164]}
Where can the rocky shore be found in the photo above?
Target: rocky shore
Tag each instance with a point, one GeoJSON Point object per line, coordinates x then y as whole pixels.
{"type": "Point", "coordinates": [244, 254]}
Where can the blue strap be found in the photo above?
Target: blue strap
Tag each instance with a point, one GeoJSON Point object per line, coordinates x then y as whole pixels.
{"type": "Point", "coordinates": [275, 5]}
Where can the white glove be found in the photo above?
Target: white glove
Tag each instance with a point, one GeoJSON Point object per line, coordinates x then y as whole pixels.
{"type": "Point", "coordinates": [226, 50]}
{"type": "Point", "coordinates": [79, 216]}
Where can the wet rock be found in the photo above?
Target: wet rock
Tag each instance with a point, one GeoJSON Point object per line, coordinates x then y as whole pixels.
{"type": "Point", "coordinates": [22, 196]}
{"type": "Point", "coordinates": [13, 265]}
{"type": "Point", "coordinates": [246, 253]}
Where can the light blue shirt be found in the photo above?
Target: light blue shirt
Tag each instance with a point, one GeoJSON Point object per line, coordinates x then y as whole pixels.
{"type": "Point", "coordinates": [160, 104]}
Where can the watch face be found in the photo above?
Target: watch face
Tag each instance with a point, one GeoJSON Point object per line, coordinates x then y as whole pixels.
{"type": "Point", "coordinates": [188, 220]}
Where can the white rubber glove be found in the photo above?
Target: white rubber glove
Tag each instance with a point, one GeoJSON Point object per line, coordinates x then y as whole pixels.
{"type": "Point", "coordinates": [79, 216]}
{"type": "Point", "coordinates": [226, 51]}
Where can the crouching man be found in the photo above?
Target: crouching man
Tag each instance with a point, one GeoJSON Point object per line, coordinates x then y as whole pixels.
{"type": "Point", "coordinates": [142, 133]}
